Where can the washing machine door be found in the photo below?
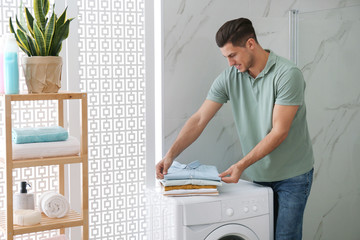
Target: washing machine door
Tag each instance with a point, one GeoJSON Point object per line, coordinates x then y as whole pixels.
{"type": "Point", "coordinates": [232, 232]}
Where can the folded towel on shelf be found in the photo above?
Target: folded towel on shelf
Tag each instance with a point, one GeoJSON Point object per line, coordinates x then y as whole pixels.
{"type": "Point", "coordinates": [60, 237]}
{"type": "Point", "coordinates": [40, 134]}
{"type": "Point", "coordinates": [194, 170]}
{"type": "Point", "coordinates": [70, 146]}
{"type": "Point", "coordinates": [54, 205]}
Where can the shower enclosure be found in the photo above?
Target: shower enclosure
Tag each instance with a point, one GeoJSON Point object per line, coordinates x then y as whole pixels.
{"type": "Point", "coordinates": [325, 46]}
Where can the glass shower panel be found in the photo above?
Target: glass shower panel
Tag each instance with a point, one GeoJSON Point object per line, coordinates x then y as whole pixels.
{"type": "Point", "coordinates": [329, 57]}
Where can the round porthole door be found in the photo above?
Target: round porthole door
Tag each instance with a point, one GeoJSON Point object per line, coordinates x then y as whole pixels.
{"type": "Point", "coordinates": [232, 232]}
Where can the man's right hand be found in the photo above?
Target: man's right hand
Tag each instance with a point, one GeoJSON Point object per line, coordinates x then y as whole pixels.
{"type": "Point", "coordinates": [162, 167]}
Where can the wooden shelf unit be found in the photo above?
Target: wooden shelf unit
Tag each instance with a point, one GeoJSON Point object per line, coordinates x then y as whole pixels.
{"type": "Point", "coordinates": [73, 219]}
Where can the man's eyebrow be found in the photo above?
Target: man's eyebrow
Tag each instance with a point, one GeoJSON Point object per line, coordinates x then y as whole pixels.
{"type": "Point", "coordinates": [230, 55]}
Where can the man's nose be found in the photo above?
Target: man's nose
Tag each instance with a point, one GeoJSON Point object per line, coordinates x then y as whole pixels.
{"type": "Point", "coordinates": [231, 62]}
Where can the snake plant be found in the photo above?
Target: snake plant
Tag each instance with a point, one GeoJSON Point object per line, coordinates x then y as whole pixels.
{"type": "Point", "coordinates": [42, 35]}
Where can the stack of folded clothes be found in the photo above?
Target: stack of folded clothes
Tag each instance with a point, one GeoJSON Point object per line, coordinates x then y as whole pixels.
{"type": "Point", "coordinates": [191, 179]}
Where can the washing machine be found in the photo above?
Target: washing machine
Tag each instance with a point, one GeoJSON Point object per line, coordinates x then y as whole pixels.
{"type": "Point", "coordinates": [242, 211]}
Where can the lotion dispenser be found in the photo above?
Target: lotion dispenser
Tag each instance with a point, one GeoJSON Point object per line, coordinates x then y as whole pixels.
{"type": "Point", "coordinates": [24, 200]}
{"type": "Point", "coordinates": [2, 43]}
{"type": "Point", "coordinates": [11, 67]}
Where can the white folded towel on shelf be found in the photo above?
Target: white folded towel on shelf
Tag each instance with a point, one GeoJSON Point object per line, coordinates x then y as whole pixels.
{"type": "Point", "coordinates": [54, 205]}
{"type": "Point", "coordinates": [71, 146]}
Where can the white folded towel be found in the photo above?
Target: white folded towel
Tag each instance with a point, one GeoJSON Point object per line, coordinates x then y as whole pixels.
{"type": "Point", "coordinates": [54, 205]}
{"type": "Point", "coordinates": [71, 146]}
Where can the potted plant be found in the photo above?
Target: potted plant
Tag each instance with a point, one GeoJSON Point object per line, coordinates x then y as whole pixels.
{"type": "Point", "coordinates": [41, 40]}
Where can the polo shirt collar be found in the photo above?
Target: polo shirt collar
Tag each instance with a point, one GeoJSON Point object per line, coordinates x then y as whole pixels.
{"type": "Point", "coordinates": [192, 165]}
{"type": "Point", "coordinates": [269, 64]}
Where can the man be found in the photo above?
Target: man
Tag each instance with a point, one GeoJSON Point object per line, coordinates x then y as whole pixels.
{"type": "Point", "coordinates": [266, 93]}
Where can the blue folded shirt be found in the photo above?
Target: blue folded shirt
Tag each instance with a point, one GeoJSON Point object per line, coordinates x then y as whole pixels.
{"type": "Point", "coordinates": [194, 170]}
{"type": "Point", "coordinates": [41, 134]}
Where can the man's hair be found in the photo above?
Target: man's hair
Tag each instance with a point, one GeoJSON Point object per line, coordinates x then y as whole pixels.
{"type": "Point", "coordinates": [236, 31]}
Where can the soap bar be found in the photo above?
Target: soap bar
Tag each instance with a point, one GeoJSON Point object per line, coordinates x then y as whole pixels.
{"type": "Point", "coordinates": [26, 217]}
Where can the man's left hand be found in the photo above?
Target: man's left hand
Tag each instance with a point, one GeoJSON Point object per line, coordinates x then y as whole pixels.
{"type": "Point", "coordinates": [234, 173]}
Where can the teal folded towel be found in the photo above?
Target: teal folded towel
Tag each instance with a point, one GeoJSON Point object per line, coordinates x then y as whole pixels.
{"type": "Point", "coordinates": [41, 134]}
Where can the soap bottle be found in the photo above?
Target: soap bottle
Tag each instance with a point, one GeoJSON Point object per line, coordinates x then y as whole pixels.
{"type": "Point", "coordinates": [11, 66]}
{"type": "Point", "coordinates": [23, 200]}
{"type": "Point", "coordinates": [2, 42]}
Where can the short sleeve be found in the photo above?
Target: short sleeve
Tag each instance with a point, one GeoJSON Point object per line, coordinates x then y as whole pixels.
{"type": "Point", "coordinates": [218, 91]}
{"type": "Point", "coordinates": [290, 88]}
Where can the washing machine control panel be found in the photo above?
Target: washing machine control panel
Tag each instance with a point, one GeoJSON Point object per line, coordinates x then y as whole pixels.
{"type": "Point", "coordinates": [244, 207]}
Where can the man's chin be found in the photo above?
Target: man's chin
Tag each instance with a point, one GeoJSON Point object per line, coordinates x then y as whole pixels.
{"type": "Point", "coordinates": [240, 69]}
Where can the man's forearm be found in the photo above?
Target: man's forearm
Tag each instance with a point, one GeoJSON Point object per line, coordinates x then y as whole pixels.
{"type": "Point", "coordinates": [263, 148]}
{"type": "Point", "coordinates": [282, 120]}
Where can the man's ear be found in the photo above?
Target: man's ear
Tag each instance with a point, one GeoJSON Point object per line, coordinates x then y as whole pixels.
{"type": "Point", "coordinates": [250, 43]}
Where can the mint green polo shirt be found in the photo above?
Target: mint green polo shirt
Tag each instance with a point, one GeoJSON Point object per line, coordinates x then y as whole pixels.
{"type": "Point", "coordinates": [252, 101]}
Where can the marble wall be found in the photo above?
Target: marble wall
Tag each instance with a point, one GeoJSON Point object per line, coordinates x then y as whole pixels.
{"type": "Point", "coordinates": [192, 61]}
{"type": "Point", "coordinates": [329, 60]}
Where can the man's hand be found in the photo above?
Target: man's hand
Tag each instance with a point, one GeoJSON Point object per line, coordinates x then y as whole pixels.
{"type": "Point", "coordinates": [162, 167]}
{"type": "Point", "coordinates": [234, 171]}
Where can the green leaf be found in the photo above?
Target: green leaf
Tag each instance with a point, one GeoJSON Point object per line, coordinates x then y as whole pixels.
{"type": "Point", "coordinates": [61, 20]}
{"type": "Point", "coordinates": [12, 30]}
{"type": "Point", "coordinates": [19, 25]}
{"type": "Point", "coordinates": [39, 13]}
{"type": "Point", "coordinates": [58, 49]}
{"type": "Point", "coordinates": [49, 33]}
{"type": "Point", "coordinates": [25, 51]}
{"type": "Point", "coordinates": [23, 40]}
{"type": "Point", "coordinates": [60, 34]}
{"type": "Point", "coordinates": [32, 47]}
{"type": "Point", "coordinates": [19, 42]}
{"type": "Point", "coordinates": [29, 22]}
{"type": "Point", "coordinates": [11, 26]}
{"type": "Point", "coordinates": [46, 6]}
{"type": "Point", "coordinates": [39, 40]}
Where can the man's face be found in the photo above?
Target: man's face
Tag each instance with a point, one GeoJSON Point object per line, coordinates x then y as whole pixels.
{"type": "Point", "coordinates": [239, 57]}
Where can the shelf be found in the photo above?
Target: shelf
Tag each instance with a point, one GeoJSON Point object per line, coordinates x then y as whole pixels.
{"type": "Point", "coordinates": [34, 162]}
{"type": "Point", "coordinates": [43, 96]}
{"type": "Point", "coordinates": [73, 219]}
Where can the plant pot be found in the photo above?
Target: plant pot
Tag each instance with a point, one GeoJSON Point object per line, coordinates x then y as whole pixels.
{"type": "Point", "coordinates": [42, 74]}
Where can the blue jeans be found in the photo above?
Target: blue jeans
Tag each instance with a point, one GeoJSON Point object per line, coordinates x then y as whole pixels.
{"type": "Point", "coordinates": [290, 197]}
